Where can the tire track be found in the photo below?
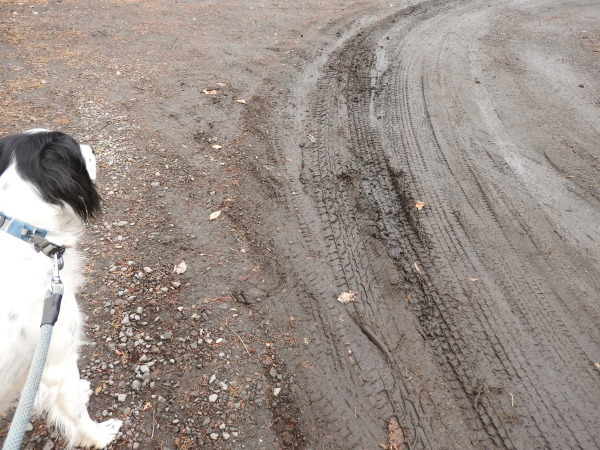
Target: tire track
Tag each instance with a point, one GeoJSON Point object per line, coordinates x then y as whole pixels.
{"type": "Point", "coordinates": [401, 112]}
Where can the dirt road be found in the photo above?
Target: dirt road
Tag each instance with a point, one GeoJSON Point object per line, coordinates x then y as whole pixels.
{"type": "Point", "coordinates": [436, 162]}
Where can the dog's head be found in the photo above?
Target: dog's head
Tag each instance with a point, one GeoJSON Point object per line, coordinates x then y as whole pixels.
{"type": "Point", "coordinates": [60, 170]}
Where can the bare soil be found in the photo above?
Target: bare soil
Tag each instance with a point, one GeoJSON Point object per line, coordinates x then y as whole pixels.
{"type": "Point", "coordinates": [437, 162]}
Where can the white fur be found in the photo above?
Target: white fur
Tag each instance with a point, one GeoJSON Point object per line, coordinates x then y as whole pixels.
{"type": "Point", "coordinates": [24, 278]}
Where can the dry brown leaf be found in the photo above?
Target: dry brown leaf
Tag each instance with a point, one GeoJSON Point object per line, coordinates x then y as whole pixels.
{"type": "Point", "coordinates": [419, 205]}
{"type": "Point", "coordinates": [212, 92]}
{"type": "Point", "coordinates": [214, 215]}
{"type": "Point", "coordinates": [347, 297]}
{"type": "Point", "coordinates": [395, 435]}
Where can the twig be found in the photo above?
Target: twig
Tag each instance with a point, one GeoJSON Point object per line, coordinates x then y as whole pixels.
{"type": "Point", "coordinates": [153, 424]}
{"type": "Point", "coordinates": [238, 336]}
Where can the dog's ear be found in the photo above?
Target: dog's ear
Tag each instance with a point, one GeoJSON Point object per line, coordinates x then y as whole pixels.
{"type": "Point", "coordinates": [5, 153]}
{"type": "Point", "coordinates": [54, 164]}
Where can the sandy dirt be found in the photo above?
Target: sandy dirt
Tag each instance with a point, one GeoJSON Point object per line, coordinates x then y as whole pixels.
{"type": "Point", "coordinates": [407, 247]}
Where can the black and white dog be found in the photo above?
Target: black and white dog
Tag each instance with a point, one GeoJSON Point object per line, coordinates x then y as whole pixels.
{"type": "Point", "coordinates": [47, 190]}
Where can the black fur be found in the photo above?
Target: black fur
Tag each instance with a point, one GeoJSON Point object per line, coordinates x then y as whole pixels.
{"type": "Point", "coordinates": [52, 162]}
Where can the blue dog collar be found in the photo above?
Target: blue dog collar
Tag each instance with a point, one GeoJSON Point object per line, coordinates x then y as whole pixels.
{"type": "Point", "coordinates": [20, 230]}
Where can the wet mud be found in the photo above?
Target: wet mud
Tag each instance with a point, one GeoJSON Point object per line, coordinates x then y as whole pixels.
{"type": "Point", "coordinates": [442, 166]}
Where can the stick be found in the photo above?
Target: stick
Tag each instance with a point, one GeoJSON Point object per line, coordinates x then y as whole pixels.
{"type": "Point", "coordinates": [238, 336]}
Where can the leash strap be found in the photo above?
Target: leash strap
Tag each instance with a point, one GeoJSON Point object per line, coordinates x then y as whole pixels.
{"type": "Point", "coordinates": [52, 302]}
{"type": "Point", "coordinates": [23, 414]}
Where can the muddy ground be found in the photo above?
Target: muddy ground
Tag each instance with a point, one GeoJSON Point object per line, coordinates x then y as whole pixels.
{"type": "Point", "coordinates": [436, 162]}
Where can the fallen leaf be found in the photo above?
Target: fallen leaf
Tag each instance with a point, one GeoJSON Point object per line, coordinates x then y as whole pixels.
{"type": "Point", "coordinates": [419, 205]}
{"type": "Point", "coordinates": [216, 147]}
{"type": "Point", "coordinates": [347, 297]}
{"type": "Point", "coordinates": [214, 215]}
{"type": "Point", "coordinates": [241, 101]}
{"type": "Point", "coordinates": [180, 268]}
{"type": "Point", "coordinates": [207, 92]}
{"type": "Point", "coordinates": [395, 435]}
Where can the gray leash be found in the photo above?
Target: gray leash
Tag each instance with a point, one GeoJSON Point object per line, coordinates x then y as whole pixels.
{"type": "Point", "coordinates": [50, 315]}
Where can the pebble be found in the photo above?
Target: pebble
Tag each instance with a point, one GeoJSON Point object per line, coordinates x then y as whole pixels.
{"type": "Point", "coordinates": [122, 397]}
{"type": "Point", "coordinates": [214, 436]}
{"type": "Point", "coordinates": [213, 398]}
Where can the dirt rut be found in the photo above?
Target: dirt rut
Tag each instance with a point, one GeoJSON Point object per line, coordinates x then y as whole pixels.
{"type": "Point", "coordinates": [475, 317]}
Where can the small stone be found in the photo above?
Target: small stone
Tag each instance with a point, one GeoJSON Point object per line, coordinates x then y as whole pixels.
{"type": "Point", "coordinates": [214, 436]}
{"type": "Point", "coordinates": [136, 385]}
{"type": "Point", "coordinates": [276, 391]}
{"type": "Point", "coordinates": [213, 398]}
{"type": "Point", "coordinates": [122, 397]}
{"type": "Point", "coordinates": [226, 435]}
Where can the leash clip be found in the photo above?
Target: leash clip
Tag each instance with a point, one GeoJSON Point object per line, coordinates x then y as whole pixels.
{"type": "Point", "coordinates": [55, 282]}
